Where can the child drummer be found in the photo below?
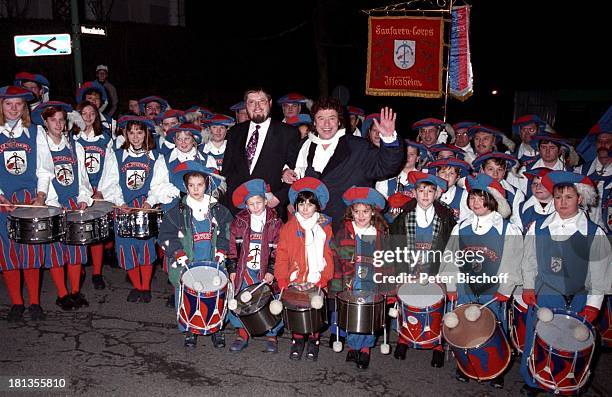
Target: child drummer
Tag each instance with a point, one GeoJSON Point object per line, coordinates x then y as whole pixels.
{"type": "Point", "coordinates": [70, 189]}
{"type": "Point", "coordinates": [304, 255]}
{"type": "Point", "coordinates": [195, 230]}
{"type": "Point", "coordinates": [363, 233]}
{"type": "Point", "coordinates": [566, 261]}
{"type": "Point", "coordinates": [425, 224]}
{"type": "Point", "coordinates": [258, 227]}
{"type": "Point", "coordinates": [497, 246]}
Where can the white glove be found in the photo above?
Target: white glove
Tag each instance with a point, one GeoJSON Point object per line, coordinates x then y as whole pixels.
{"type": "Point", "coordinates": [75, 117]}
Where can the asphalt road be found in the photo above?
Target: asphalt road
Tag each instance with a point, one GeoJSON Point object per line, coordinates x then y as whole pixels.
{"type": "Point", "coordinates": [118, 348]}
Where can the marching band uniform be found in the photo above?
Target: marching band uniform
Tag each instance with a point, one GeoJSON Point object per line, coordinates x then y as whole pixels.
{"type": "Point", "coordinates": [499, 241]}
{"type": "Point", "coordinates": [195, 231]}
{"type": "Point", "coordinates": [526, 153]}
{"type": "Point", "coordinates": [216, 153]}
{"type": "Point", "coordinates": [565, 264]}
{"type": "Point", "coordinates": [39, 79]}
{"type": "Point", "coordinates": [455, 197]}
{"type": "Point", "coordinates": [424, 229]}
{"type": "Point", "coordinates": [69, 187]}
{"type": "Point", "coordinates": [256, 258]}
{"type": "Point", "coordinates": [355, 249]}
{"type": "Point", "coordinates": [533, 209]}
{"type": "Point", "coordinates": [26, 172]}
{"type": "Point", "coordinates": [304, 254]}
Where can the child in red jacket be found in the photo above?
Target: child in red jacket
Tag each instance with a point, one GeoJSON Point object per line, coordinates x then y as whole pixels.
{"type": "Point", "coordinates": [304, 255]}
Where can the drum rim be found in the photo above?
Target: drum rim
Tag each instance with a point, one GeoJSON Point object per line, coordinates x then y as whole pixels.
{"type": "Point", "coordinates": [438, 302]}
{"type": "Point", "coordinates": [193, 265]}
{"type": "Point", "coordinates": [382, 297]}
{"type": "Point", "coordinates": [575, 316]}
{"type": "Point", "coordinates": [266, 287]}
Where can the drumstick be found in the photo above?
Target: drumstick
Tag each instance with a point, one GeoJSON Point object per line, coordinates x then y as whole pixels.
{"type": "Point", "coordinates": [488, 303]}
{"type": "Point", "coordinates": [135, 208]}
{"type": "Point", "coordinates": [24, 205]}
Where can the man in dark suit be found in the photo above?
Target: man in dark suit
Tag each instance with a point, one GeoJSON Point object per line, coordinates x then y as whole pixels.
{"type": "Point", "coordinates": [341, 160]}
{"type": "Point", "coordinates": [260, 148]}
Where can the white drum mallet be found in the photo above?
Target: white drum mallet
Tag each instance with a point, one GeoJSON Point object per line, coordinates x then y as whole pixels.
{"type": "Point", "coordinates": [276, 306]}
{"type": "Point", "coordinates": [316, 301]}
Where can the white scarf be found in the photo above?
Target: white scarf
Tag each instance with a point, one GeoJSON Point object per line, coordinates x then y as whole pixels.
{"type": "Point", "coordinates": [365, 231]}
{"type": "Point", "coordinates": [258, 222]}
{"type": "Point", "coordinates": [321, 157]}
{"type": "Point", "coordinates": [315, 245]}
{"type": "Point", "coordinates": [199, 209]}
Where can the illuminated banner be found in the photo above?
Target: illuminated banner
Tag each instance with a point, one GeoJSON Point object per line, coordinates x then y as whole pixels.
{"type": "Point", "coordinates": [405, 56]}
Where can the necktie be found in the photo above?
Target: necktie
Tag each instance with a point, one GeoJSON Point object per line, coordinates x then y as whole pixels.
{"type": "Point", "coordinates": [252, 145]}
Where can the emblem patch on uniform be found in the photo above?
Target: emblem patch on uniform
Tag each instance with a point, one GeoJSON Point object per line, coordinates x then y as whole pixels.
{"type": "Point", "coordinates": [362, 272]}
{"type": "Point", "coordinates": [92, 163]}
{"type": "Point", "coordinates": [15, 161]}
{"type": "Point", "coordinates": [412, 320]}
{"type": "Point", "coordinates": [64, 174]}
{"type": "Point", "coordinates": [556, 264]}
{"type": "Point", "coordinates": [253, 260]}
{"type": "Point", "coordinates": [135, 179]}
{"type": "Point", "coordinates": [477, 266]}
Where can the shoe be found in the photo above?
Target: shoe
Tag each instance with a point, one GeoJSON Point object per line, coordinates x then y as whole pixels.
{"type": "Point", "coordinates": [133, 296]}
{"type": "Point", "coordinates": [297, 348]}
{"type": "Point", "coordinates": [218, 340]}
{"type": "Point", "coordinates": [437, 361]}
{"type": "Point", "coordinates": [16, 313]}
{"type": "Point", "coordinates": [145, 296]}
{"type": "Point", "coordinates": [529, 391]}
{"type": "Point", "coordinates": [312, 352]}
{"type": "Point", "coordinates": [238, 345]}
{"type": "Point", "coordinates": [98, 281]}
{"type": "Point", "coordinates": [36, 313]}
{"type": "Point", "coordinates": [332, 339]}
{"type": "Point", "coordinates": [65, 302]}
{"type": "Point", "coordinates": [170, 301]}
{"type": "Point", "coordinates": [271, 346]}
{"type": "Point", "coordinates": [79, 300]}
{"type": "Point", "coordinates": [498, 382]}
{"type": "Point", "coordinates": [400, 351]}
{"type": "Point", "coordinates": [352, 355]}
{"type": "Point", "coordinates": [461, 377]}
{"type": "Point", "coordinates": [363, 360]}
{"type": "Point", "coordinates": [191, 340]}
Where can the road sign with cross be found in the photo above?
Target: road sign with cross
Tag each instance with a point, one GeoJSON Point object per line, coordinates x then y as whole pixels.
{"type": "Point", "coordinates": [43, 44]}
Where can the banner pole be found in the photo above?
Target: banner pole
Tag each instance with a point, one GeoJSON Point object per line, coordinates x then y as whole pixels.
{"type": "Point", "coordinates": [448, 56]}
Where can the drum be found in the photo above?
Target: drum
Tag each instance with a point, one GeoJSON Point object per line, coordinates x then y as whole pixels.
{"type": "Point", "coordinates": [138, 223]}
{"type": "Point", "coordinates": [605, 322]}
{"type": "Point", "coordinates": [36, 225]}
{"type": "Point", "coordinates": [298, 315]}
{"type": "Point", "coordinates": [420, 314]}
{"type": "Point", "coordinates": [559, 362]}
{"type": "Point", "coordinates": [255, 315]}
{"type": "Point", "coordinates": [361, 312]}
{"type": "Point", "coordinates": [517, 320]}
{"type": "Point", "coordinates": [480, 347]}
{"type": "Point", "coordinates": [204, 290]}
{"type": "Point", "coordinates": [90, 225]}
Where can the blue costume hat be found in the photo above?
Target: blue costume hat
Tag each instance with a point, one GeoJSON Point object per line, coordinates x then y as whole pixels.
{"type": "Point", "coordinates": [299, 120]}
{"type": "Point", "coordinates": [198, 167]}
{"type": "Point", "coordinates": [536, 139]}
{"type": "Point", "coordinates": [364, 195]}
{"type": "Point", "coordinates": [464, 167]}
{"type": "Point", "coordinates": [11, 91]}
{"type": "Point", "coordinates": [487, 184]}
{"type": "Point", "coordinates": [440, 147]}
{"type": "Point", "coordinates": [25, 76]}
{"type": "Point", "coordinates": [206, 113]}
{"type": "Point", "coordinates": [464, 124]}
{"type": "Point", "coordinates": [193, 129]}
{"type": "Point", "coordinates": [479, 161]}
{"type": "Point", "coordinates": [254, 187]}
{"type": "Point", "coordinates": [169, 114]}
{"type": "Point", "coordinates": [488, 129]}
{"type": "Point", "coordinates": [220, 119]}
{"type": "Point", "coordinates": [124, 120]}
{"type": "Point", "coordinates": [292, 97]}
{"type": "Point", "coordinates": [143, 102]}
{"type": "Point", "coordinates": [238, 106]}
{"type": "Point", "coordinates": [367, 123]}
{"type": "Point", "coordinates": [312, 185]}
{"type": "Point", "coordinates": [424, 153]}
{"type": "Point", "coordinates": [428, 122]}
{"type": "Point", "coordinates": [38, 111]}
{"type": "Point", "coordinates": [416, 177]}
{"type": "Point", "coordinates": [89, 86]}
{"type": "Point", "coordinates": [528, 119]}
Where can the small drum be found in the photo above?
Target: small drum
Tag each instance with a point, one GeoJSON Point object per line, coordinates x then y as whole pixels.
{"type": "Point", "coordinates": [255, 315]}
{"type": "Point", "coordinates": [605, 322]}
{"type": "Point", "coordinates": [142, 224]}
{"type": "Point", "coordinates": [202, 301]}
{"type": "Point", "coordinates": [420, 317]}
{"type": "Point", "coordinates": [559, 362]}
{"type": "Point", "coordinates": [298, 315]}
{"type": "Point", "coordinates": [361, 312]}
{"type": "Point", "coordinates": [517, 320]}
{"type": "Point", "coordinates": [36, 225]}
{"type": "Point", "coordinates": [480, 347]}
{"type": "Point", "coordinates": [90, 225]}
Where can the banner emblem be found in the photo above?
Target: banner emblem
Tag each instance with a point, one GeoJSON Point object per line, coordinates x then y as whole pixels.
{"type": "Point", "coordinates": [404, 53]}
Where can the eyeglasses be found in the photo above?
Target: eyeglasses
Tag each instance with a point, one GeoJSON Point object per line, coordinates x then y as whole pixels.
{"type": "Point", "coordinates": [184, 139]}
